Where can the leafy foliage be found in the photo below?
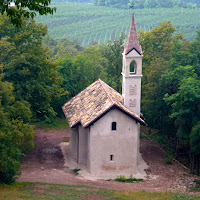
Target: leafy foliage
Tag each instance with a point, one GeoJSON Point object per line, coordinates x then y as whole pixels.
{"type": "Point", "coordinates": [171, 87]}
{"type": "Point", "coordinates": [15, 135]}
{"type": "Point", "coordinates": [113, 54]}
{"type": "Point", "coordinates": [79, 71]}
{"type": "Point", "coordinates": [146, 3]}
{"type": "Point", "coordinates": [185, 103]}
{"type": "Point", "coordinates": [18, 9]}
{"type": "Point", "coordinates": [156, 46]}
{"type": "Point", "coordinates": [195, 138]}
{"type": "Point", "coordinates": [26, 64]}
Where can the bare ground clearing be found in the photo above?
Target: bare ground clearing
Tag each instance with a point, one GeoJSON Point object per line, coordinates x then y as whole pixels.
{"type": "Point", "coordinates": [45, 164]}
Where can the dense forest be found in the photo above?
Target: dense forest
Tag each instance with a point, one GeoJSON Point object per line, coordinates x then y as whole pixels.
{"type": "Point", "coordinates": [140, 3]}
{"type": "Point", "coordinates": [38, 74]}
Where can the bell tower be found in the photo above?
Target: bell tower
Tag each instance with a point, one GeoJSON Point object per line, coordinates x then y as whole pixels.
{"type": "Point", "coordinates": [132, 71]}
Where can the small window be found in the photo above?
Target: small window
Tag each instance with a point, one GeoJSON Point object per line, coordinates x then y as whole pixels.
{"type": "Point", "coordinates": [111, 157]}
{"type": "Point", "coordinates": [114, 126]}
{"type": "Point", "coordinates": [133, 68]}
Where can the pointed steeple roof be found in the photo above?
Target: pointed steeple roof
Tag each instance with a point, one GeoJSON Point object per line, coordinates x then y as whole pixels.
{"type": "Point", "coordinates": [132, 41]}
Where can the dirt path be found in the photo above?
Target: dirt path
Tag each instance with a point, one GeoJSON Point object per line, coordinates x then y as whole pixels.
{"type": "Point", "coordinates": [45, 164]}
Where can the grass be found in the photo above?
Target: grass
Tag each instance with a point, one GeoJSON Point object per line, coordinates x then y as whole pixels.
{"type": "Point", "coordinates": [196, 186]}
{"type": "Point", "coordinates": [126, 195]}
{"type": "Point", "coordinates": [43, 191]}
{"type": "Point", "coordinates": [87, 22]}
{"type": "Point", "coordinates": [57, 124]}
{"type": "Point", "coordinates": [128, 180]}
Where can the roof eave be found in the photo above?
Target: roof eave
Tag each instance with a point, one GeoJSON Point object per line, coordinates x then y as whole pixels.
{"type": "Point", "coordinates": [132, 50]}
{"type": "Point", "coordinates": [107, 110]}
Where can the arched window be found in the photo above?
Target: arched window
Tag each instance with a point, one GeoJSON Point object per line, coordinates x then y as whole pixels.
{"type": "Point", "coordinates": [114, 126]}
{"type": "Point", "coordinates": [133, 67]}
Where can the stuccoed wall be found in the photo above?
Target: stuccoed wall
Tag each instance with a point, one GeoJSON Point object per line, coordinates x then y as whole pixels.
{"type": "Point", "coordinates": [122, 143]}
{"type": "Point", "coordinates": [83, 146]}
{"type": "Point", "coordinates": [73, 145]}
{"type": "Point", "coordinates": [79, 136]}
{"type": "Point", "coordinates": [132, 98]}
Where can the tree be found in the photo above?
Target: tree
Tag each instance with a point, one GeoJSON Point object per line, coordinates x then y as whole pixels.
{"type": "Point", "coordinates": [195, 53]}
{"type": "Point", "coordinates": [113, 54]}
{"type": "Point", "coordinates": [79, 71]}
{"type": "Point", "coordinates": [195, 147]}
{"type": "Point", "coordinates": [25, 9]}
{"type": "Point", "coordinates": [101, 2]}
{"type": "Point", "coordinates": [176, 3]}
{"type": "Point", "coordinates": [191, 5]}
{"type": "Point", "coordinates": [186, 112]}
{"type": "Point", "coordinates": [15, 135]}
{"type": "Point", "coordinates": [26, 64]}
{"type": "Point", "coordinates": [165, 3]}
{"type": "Point", "coordinates": [156, 45]}
{"type": "Point", "coordinates": [184, 101]}
{"type": "Point", "coordinates": [150, 3]}
{"type": "Point", "coordinates": [136, 4]}
{"type": "Point", "coordinates": [63, 48]}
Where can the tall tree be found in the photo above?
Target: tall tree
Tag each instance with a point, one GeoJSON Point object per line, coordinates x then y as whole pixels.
{"type": "Point", "coordinates": [16, 136]}
{"type": "Point", "coordinates": [185, 105]}
{"type": "Point", "coordinates": [156, 45]}
{"type": "Point", "coordinates": [26, 64]}
{"type": "Point", "coordinates": [79, 71]}
{"type": "Point", "coordinates": [113, 53]}
{"type": "Point", "coordinates": [195, 53]}
{"type": "Point", "coordinates": [17, 9]}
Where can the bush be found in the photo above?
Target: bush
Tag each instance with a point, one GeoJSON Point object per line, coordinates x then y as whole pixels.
{"type": "Point", "coordinates": [129, 180]}
{"type": "Point", "coordinates": [15, 135]}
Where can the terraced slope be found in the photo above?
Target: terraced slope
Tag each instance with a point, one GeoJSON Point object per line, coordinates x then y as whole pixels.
{"type": "Point", "coordinates": [86, 22]}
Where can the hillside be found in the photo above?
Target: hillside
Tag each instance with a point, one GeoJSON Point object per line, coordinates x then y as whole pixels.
{"type": "Point", "coordinates": [86, 22]}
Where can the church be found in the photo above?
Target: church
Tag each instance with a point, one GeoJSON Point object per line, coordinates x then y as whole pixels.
{"type": "Point", "coordinates": [105, 125]}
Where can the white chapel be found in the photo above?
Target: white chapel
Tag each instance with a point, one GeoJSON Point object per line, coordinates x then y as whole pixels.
{"type": "Point", "coordinates": [105, 125]}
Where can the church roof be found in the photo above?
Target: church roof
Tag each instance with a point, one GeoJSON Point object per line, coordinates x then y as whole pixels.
{"type": "Point", "coordinates": [92, 103]}
{"type": "Point", "coordinates": [132, 41]}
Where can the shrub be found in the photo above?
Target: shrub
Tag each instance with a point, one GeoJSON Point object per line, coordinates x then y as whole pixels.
{"type": "Point", "coordinates": [129, 180]}
{"type": "Point", "coordinates": [15, 135]}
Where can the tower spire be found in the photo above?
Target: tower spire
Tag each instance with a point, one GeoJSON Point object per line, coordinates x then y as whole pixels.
{"type": "Point", "coordinates": [132, 41]}
{"type": "Point", "coordinates": [132, 71]}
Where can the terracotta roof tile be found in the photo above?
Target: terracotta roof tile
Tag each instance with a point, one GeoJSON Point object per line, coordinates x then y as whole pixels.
{"type": "Point", "coordinates": [132, 41]}
{"type": "Point", "coordinates": [92, 103]}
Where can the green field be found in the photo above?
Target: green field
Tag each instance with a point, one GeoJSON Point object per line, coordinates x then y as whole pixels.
{"type": "Point", "coordinates": [44, 191]}
{"type": "Point", "coordinates": [86, 22]}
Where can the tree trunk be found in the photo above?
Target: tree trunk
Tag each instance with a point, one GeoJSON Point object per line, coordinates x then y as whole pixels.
{"type": "Point", "coordinates": [197, 164]}
{"type": "Point", "coordinates": [191, 162]}
{"type": "Point", "coordinates": [177, 147]}
{"type": "Point", "coordinates": [149, 130]}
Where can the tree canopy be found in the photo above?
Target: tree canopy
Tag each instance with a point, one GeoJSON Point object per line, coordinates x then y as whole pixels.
{"type": "Point", "coordinates": [171, 87]}
{"type": "Point", "coordinates": [16, 135]}
{"type": "Point", "coordinates": [26, 64]}
{"type": "Point", "coordinates": [140, 4]}
{"type": "Point", "coordinates": [17, 9]}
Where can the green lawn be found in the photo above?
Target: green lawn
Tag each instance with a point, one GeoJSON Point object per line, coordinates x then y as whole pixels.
{"type": "Point", "coordinates": [56, 124]}
{"type": "Point", "coordinates": [41, 191]}
{"type": "Point", "coordinates": [86, 22]}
